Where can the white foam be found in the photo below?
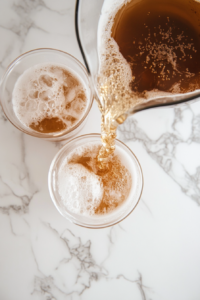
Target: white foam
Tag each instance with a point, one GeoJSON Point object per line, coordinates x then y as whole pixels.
{"type": "Point", "coordinates": [81, 190]}
{"type": "Point", "coordinates": [108, 12]}
{"type": "Point", "coordinates": [39, 93]}
{"type": "Point", "coordinates": [108, 50]}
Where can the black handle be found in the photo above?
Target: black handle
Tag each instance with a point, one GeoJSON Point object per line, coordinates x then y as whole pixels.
{"type": "Point", "coordinates": [78, 36]}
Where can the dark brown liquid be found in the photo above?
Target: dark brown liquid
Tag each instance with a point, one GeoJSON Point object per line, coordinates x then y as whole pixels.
{"type": "Point", "coordinates": [116, 179]}
{"type": "Point", "coordinates": [161, 42]}
{"type": "Point", "coordinates": [49, 125]}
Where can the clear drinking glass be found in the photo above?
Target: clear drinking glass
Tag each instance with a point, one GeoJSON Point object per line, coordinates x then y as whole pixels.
{"type": "Point", "coordinates": [28, 60]}
{"type": "Point", "coordinates": [104, 220]}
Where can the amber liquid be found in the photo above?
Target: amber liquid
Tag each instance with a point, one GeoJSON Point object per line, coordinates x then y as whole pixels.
{"type": "Point", "coordinates": [160, 41]}
{"type": "Point", "coordinates": [116, 179]}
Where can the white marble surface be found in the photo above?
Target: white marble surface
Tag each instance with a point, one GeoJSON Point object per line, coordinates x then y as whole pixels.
{"type": "Point", "coordinates": [152, 255]}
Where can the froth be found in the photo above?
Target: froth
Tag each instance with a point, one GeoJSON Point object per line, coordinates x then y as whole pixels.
{"type": "Point", "coordinates": [115, 73]}
{"type": "Point", "coordinates": [81, 191]}
{"type": "Point", "coordinates": [49, 91]}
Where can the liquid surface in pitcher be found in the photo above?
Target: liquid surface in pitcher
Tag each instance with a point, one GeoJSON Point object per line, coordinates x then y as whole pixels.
{"type": "Point", "coordinates": [147, 49]}
{"type": "Point", "coordinates": [161, 42]}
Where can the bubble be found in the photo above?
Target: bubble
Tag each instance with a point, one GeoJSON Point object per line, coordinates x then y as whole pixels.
{"type": "Point", "coordinates": [33, 94]}
{"type": "Point", "coordinates": [43, 107]}
{"type": "Point", "coordinates": [51, 104]}
{"type": "Point", "coordinates": [46, 95]}
{"type": "Point", "coordinates": [31, 105]}
{"type": "Point", "coordinates": [34, 84]}
{"type": "Point", "coordinates": [46, 80]}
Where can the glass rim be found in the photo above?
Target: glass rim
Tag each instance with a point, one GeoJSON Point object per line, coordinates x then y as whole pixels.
{"type": "Point", "coordinates": [70, 217]}
{"type": "Point", "coordinates": [54, 134]}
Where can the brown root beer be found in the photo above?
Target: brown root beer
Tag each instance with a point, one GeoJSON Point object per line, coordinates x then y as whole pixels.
{"type": "Point", "coordinates": [160, 40]}
{"type": "Point", "coordinates": [49, 98]}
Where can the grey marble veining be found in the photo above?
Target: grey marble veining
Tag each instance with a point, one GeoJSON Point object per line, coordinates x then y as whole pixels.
{"type": "Point", "coordinates": [185, 130]}
{"type": "Point", "coordinates": [154, 254]}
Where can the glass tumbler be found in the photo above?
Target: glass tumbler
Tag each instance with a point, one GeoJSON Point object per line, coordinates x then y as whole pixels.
{"type": "Point", "coordinates": [31, 59]}
{"type": "Point", "coordinates": [101, 220]}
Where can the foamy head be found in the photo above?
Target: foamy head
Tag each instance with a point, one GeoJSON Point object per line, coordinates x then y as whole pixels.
{"type": "Point", "coordinates": [115, 73]}
{"type": "Point", "coordinates": [49, 91]}
{"type": "Point", "coordinates": [86, 192]}
{"type": "Point", "coordinates": [80, 190]}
